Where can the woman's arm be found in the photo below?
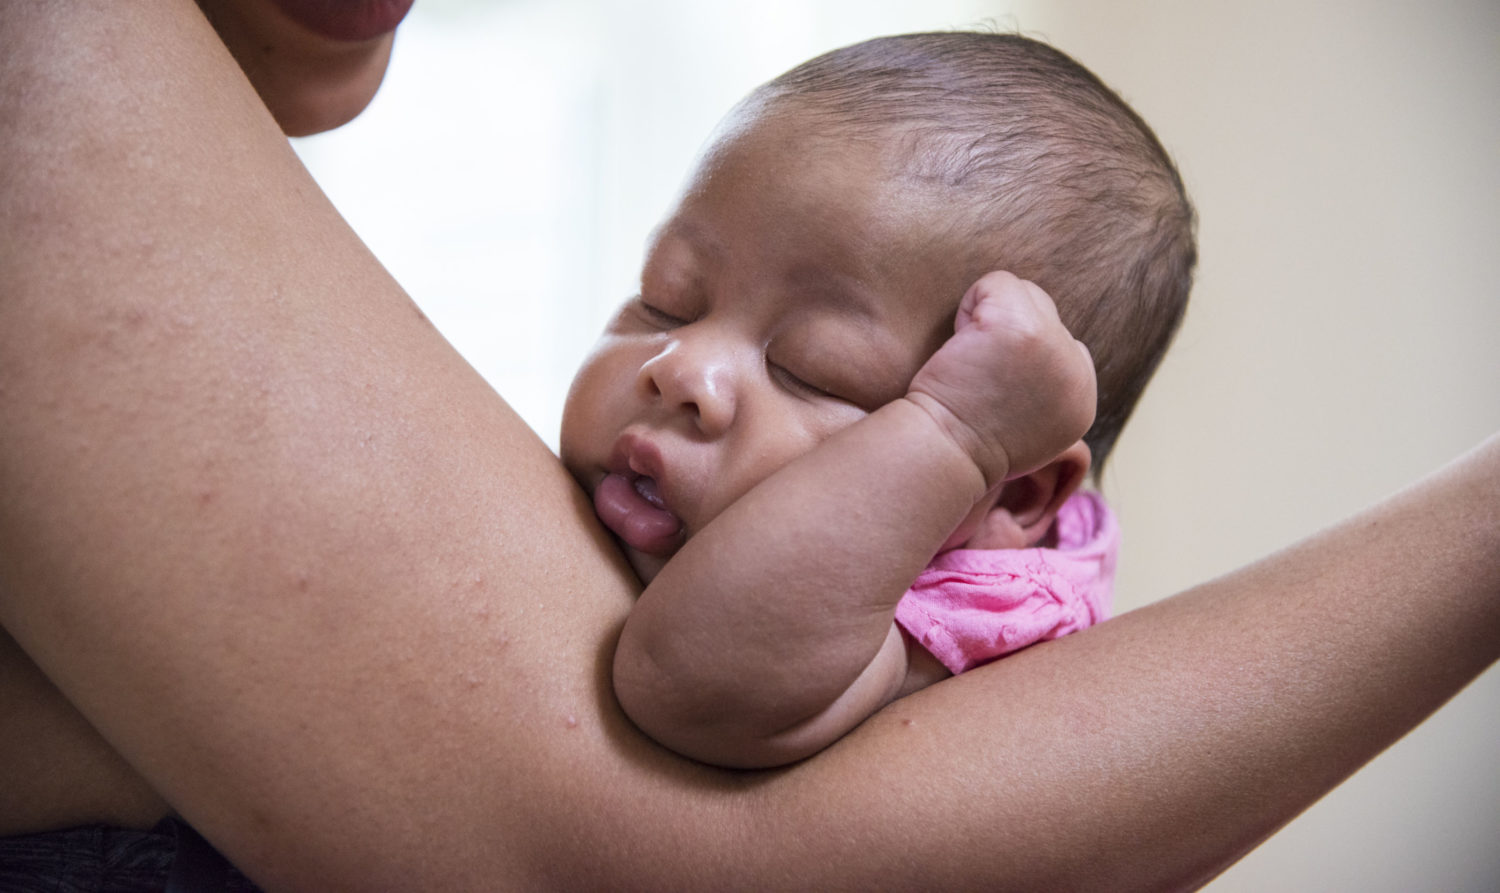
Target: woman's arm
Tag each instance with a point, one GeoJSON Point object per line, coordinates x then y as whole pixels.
{"type": "Point", "coordinates": [305, 572]}
{"type": "Point", "coordinates": [1190, 730]}
{"type": "Point", "coordinates": [55, 769]}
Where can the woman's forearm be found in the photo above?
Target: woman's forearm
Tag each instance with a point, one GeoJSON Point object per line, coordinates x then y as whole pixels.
{"type": "Point", "coordinates": [327, 594]}
{"type": "Point", "coordinates": [1152, 751]}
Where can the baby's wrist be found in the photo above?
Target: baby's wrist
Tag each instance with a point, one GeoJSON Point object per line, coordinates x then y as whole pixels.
{"type": "Point", "coordinates": [985, 456]}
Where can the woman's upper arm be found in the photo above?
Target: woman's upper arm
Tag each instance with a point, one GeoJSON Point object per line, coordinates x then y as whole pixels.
{"type": "Point", "coordinates": [308, 575]}
{"type": "Point", "coordinates": [261, 524]}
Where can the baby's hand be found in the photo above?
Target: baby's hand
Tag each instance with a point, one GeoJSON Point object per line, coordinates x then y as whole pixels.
{"type": "Point", "coordinates": [1011, 387]}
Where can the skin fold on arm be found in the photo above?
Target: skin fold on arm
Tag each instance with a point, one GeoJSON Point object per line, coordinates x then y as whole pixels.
{"type": "Point", "coordinates": [325, 592]}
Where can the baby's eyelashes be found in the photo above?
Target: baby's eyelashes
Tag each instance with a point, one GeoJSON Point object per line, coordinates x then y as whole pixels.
{"type": "Point", "coordinates": [807, 390]}
{"type": "Point", "coordinates": [658, 316]}
{"type": "Point", "coordinates": [798, 385]}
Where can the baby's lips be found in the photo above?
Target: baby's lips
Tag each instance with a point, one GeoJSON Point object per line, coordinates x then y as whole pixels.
{"type": "Point", "coordinates": [641, 523]}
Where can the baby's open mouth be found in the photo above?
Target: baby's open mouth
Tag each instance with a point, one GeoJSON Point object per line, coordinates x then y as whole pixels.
{"type": "Point", "coordinates": [632, 507]}
{"type": "Point", "coordinates": [647, 489]}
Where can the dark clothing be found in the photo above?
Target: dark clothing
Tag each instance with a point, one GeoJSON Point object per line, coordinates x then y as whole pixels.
{"type": "Point", "coordinates": [170, 858]}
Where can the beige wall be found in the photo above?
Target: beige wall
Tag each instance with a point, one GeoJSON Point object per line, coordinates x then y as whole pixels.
{"type": "Point", "coordinates": [1344, 338]}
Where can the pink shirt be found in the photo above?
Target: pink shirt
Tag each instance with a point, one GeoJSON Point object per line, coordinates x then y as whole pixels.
{"type": "Point", "coordinates": [971, 606]}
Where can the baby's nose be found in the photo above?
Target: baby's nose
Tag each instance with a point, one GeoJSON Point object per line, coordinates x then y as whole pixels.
{"type": "Point", "coordinates": [695, 378]}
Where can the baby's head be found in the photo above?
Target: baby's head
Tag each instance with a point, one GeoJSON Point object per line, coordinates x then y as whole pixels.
{"type": "Point", "coordinates": [818, 254]}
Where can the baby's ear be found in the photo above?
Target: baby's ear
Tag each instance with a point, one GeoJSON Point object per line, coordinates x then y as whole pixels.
{"type": "Point", "coordinates": [1022, 511]}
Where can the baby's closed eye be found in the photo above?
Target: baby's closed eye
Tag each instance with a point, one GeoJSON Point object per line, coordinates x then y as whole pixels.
{"type": "Point", "coordinates": [808, 384]}
{"type": "Point", "coordinates": [833, 362]}
{"type": "Point", "coordinates": [658, 315]}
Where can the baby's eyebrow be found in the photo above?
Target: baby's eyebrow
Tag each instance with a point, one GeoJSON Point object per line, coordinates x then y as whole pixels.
{"type": "Point", "coordinates": [700, 241]}
{"type": "Point", "coordinates": [834, 288]}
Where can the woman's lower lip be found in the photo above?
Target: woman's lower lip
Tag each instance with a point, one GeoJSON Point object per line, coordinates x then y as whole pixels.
{"type": "Point", "coordinates": [640, 522]}
{"type": "Point", "coordinates": [346, 20]}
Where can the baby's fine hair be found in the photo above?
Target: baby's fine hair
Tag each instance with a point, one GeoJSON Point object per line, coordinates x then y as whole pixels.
{"type": "Point", "coordinates": [1058, 181]}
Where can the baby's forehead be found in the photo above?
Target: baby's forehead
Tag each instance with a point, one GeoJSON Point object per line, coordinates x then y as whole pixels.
{"type": "Point", "coordinates": [799, 127]}
{"type": "Point", "coordinates": [928, 164]}
{"type": "Point", "coordinates": [814, 184]}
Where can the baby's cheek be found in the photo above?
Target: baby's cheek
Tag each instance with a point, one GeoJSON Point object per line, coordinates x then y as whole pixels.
{"type": "Point", "coordinates": [592, 405]}
{"type": "Point", "coordinates": [762, 459]}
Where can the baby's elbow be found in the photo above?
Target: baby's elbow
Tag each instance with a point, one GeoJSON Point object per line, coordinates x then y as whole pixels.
{"type": "Point", "coordinates": [690, 719]}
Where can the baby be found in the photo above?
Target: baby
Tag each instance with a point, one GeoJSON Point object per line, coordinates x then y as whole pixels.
{"type": "Point", "coordinates": [787, 425]}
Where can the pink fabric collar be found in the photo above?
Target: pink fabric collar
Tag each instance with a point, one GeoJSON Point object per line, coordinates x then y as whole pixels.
{"type": "Point", "coordinates": [971, 606]}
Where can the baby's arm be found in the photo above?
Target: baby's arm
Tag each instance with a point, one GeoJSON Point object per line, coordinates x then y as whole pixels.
{"type": "Point", "coordinates": [771, 633]}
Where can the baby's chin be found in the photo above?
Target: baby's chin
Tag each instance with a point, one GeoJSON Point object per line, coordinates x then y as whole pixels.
{"type": "Point", "coordinates": [645, 566]}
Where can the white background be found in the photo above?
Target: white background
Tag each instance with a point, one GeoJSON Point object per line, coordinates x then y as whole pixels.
{"type": "Point", "coordinates": [1345, 160]}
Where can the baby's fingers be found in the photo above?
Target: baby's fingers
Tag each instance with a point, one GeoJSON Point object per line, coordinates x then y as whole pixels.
{"type": "Point", "coordinates": [1006, 299]}
{"type": "Point", "coordinates": [1013, 373]}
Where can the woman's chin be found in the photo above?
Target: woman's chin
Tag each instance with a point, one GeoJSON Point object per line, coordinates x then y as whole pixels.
{"type": "Point", "coordinates": [306, 105]}
{"type": "Point", "coordinates": [309, 81]}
